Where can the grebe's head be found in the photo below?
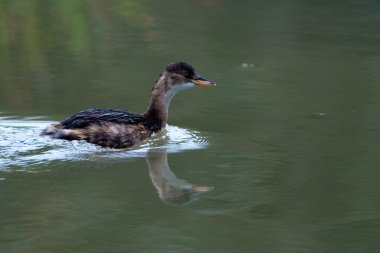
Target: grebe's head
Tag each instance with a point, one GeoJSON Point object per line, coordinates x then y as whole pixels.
{"type": "Point", "coordinates": [176, 76]}
{"type": "Point", "coordinates": [179, 76]}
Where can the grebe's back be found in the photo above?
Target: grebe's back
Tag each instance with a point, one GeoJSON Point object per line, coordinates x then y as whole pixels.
{"type": "Point", "coordinates": [113, 128]}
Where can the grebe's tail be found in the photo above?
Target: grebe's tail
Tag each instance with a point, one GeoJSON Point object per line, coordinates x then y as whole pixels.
{"type": "Point", "coordinates": [55, 131]}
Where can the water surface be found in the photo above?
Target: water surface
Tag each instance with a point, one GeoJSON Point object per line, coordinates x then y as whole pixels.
{"type": "Point", "coordinates": [282, 156]}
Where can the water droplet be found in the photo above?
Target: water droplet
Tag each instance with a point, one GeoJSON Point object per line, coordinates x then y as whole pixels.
{"type": "Point", "coordinates": [247, 65]}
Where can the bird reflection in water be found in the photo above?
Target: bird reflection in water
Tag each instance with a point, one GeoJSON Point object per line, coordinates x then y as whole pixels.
{"type": "Point", "coordinates": [170, 189]}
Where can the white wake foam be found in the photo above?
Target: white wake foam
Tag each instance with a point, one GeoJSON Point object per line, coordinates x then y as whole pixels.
{"type": "Point", "coordinates": [21, 144]}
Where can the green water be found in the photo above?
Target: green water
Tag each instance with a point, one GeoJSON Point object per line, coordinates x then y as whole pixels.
{"type": "Point", "coordinates": [287, 143]}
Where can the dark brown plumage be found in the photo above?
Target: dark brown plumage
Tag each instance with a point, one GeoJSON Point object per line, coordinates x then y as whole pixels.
{"type": "Point", "coordinates": [118, 128]}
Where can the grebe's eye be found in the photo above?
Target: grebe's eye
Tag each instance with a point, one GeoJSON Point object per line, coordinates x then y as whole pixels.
{"type": "Point", "coordinates": [188, 75]}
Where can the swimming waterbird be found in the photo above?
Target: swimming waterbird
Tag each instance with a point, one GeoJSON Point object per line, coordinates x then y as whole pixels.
{"type": "Point", "coordinates": [117, 128]}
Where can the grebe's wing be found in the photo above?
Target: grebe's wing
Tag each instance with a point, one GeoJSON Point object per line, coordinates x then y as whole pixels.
{"type": "Point", "coordinates": [84, 118]}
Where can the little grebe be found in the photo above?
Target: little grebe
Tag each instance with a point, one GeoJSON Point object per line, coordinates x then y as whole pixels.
{"type": "Point", "coordinates": [118, 128]}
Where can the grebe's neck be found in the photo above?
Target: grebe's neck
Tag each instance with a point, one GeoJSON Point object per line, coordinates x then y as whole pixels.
{"type": "Point", "coordinates": [160, 101]}
{"type": "Point", "coordinates": [162, 94]}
